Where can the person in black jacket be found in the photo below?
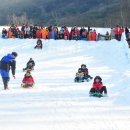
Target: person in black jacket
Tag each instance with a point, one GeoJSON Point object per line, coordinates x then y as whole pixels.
{"type": "Point", "coordinates": [30, 65]}
{"type": "Point", "coordinates": [4, 33]}
{"type": "Point", "coordinates": [84, 69]}
{"type": "Point", "coordinates": [8, 62]}
{"type": "Point", "coordinates": [39, 44]}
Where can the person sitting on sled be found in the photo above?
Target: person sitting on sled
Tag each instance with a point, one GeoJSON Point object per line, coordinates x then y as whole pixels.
{"type": "Point", "coordinates": [85, 71]}
{"type": "Point", "coordinates": [39, 44]}
{"type": "Point", "coordinates": [79, 76]}
{"type": "Point", "coordinates": [30, 65]}
{"type": "Point", "coordinates": [98, 87]}
{"type": "Point", "coordinates": [28, 80]}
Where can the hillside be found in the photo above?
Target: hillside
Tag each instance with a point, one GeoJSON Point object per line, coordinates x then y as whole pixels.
{"type": "Point", "coordinates": [74, 12]}
{"type": "Point", "coordinates": [56, 102]}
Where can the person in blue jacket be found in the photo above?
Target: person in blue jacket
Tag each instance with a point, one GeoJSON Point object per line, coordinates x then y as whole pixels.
{"type": "Point", "coordinates": [7, 62]}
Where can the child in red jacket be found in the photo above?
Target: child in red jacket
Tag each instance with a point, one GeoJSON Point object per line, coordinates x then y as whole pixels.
{"type": "Point", "coordinates": [98, 86]}
{"type": "Point", "coordinates": [28, 80]}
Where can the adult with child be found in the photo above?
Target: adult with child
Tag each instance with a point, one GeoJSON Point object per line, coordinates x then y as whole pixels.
{"type": "Point", "coordinates": [83, 75]}
{"type": "Point", "coordinates": [84, 69]}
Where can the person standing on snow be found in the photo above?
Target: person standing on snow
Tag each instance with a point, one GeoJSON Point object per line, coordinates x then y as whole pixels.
{"type": "Point", "coordinates": [7, 62]}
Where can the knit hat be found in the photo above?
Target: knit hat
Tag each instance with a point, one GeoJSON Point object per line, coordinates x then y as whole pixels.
{"type": "Point", "coordinates": [14, 54]}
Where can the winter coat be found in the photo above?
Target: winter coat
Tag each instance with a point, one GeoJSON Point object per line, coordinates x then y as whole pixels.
{"type": "Point", "coordinates": [107, 37]}
{"type": "Point", "coordinates": [38, 33]}
{"type": "Point", "coordinates": [80, 75]}
{"type": "Point", "coordinates": [4, 32]}
{"type": "Point", "coordinates": [27, 30]}
{"type": "Point", "coordinates": [82, 30]}
{"type": "Point", "coordinates": [38, 47]}
{"type": "Point", "coordinates": [84, 33]}
{"type": "Point", "coordinates": [89, 36]}
{"type": "Point", "coordinates": [61, 31]}
{"type": "Point", "coordinates": [44, 33]}
{"type": "Point", "coordinates": [97, 86]}
{"type": "Point", "coordinates": [53, 34]}
{"type": "Point", "coordinates": [6, 63]}
{"type": "Point", "coordinates": [10, 33]}
{"type": "Point", "coordinates": [31, 62]}
{"type": "Point", "coordinates": [128, 37]}
{"type": "Point", "coordinates": [72, 34]}
{"type": "Point", "coordinates": [56, 31]}
{"type": "Point", "coordinates": [28, 80]}
{"type": "Point", "coordinates": [126, 31]}
{"type": "Point", "coordinates": [76, 31]}
{"type": "Point", "coordinates": [85, 71]}
{"type": "Point", "coordinates": [66, 33]}
{"type": "Point", "coordinates": [112, 34]}
{"type": "Point", "coordinates": [116, 30]}
{"type": "Point", "coordinates": [121, 31]}
{"type": "Point", "coordinates": [39, 44]}
{"type": "Point", "coordinates": [47, 33]}
{"type": "Point", "coordinates": [93, 36]}
{"type": "Point", "coordinates": [23, 28]}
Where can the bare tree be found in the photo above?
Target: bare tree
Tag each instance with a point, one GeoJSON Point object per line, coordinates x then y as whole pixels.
{"type": "Point", "coordinates": [124, 11]}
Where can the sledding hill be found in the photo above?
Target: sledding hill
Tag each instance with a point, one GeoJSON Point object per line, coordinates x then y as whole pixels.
{"type": "Point", "coordinates": [56, 102]}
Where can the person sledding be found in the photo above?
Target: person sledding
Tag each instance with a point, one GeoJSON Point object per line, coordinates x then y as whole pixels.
{"type": "Point", "coordinates": [79, 76]}
{"type": "Point", "coordinates": [28, 81]}
{"type": "Point", "coordinates": [39, 44]}
{"type": "Point", "coordinates": [84, 69]}
{"type": "Point", "coordinates": [30, 65]}
{"type": "Point", "coordinates": [98, 89]}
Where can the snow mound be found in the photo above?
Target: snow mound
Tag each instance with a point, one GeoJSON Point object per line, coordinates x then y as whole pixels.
{"type": "Point", "coordinates": [56, 102]}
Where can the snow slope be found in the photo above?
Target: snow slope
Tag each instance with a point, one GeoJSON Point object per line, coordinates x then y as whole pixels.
{"type": "Point", "coordinates": [56, 102]}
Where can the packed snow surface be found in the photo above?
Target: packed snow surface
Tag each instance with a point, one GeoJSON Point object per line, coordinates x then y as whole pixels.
{"type": "Point", "coordinates": [56, 102]}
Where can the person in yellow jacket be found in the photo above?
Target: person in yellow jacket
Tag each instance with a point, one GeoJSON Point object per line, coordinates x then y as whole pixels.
{"type": "Point", "coordinates": [107, 36]}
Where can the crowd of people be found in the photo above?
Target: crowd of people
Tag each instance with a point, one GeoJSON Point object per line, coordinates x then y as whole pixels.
{"type": "Point", "coordinates": [54, 32]}
{"type": "Point", "coordinates": [8, 62]}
